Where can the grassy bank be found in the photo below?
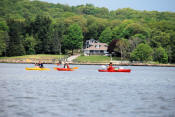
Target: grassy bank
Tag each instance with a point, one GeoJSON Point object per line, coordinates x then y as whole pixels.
{"type": "Point", "coordinates": [94, 59]}
{"type": "Point", "coordinates": [45, 58]}
{"type": "Point", "coordinates": [37, 56]}
{"type": "Point", "coordinates": [100, 60]}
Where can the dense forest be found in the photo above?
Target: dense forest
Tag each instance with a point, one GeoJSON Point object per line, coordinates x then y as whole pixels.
{"type": "Point", "coordinates": [34, 27]}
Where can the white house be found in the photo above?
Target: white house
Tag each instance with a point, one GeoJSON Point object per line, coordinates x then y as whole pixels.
{"type": "Point", "coordinates": [93, 47]}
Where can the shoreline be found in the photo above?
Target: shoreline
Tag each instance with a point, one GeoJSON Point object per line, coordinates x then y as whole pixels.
{"type": "Point", "coordinates": [54, 61]}
{"type": "Point", "coordinates": [118, 64]}
{"type": "Point", "coordinates": [129, 64]}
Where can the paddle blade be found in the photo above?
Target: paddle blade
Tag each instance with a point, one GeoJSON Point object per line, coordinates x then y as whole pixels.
{"type": "Point", "coordinates": [75, 68]}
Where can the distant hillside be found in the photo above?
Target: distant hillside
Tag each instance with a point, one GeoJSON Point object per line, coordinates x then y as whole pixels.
{"type": "Point", "coordinates": [35, 27]}
{"type": "Point", "coordinates": [27, 8]}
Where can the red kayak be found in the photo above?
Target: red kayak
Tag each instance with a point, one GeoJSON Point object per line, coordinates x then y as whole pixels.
{"type": "Point", "coordinates": [118, 70]}
{"type": "Point", "coordinates": [64, 69]}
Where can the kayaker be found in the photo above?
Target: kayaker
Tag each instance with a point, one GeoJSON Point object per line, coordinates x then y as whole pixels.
{"type": "Point", "coordinates": [41, 64]}
{"type": "Point", "coordinates": [66, 65]}
{"type": "Point", "coordinates": [110, 66]}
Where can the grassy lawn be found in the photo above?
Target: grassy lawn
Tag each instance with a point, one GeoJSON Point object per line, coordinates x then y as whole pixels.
{"type": "Point", "coordinates": [37, 56]}
{"type": "Point", "coordinates": [95, 59]}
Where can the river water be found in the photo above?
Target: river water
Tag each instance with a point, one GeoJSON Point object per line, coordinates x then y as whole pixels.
{"type": "Point", "coordinates": [85, 92]}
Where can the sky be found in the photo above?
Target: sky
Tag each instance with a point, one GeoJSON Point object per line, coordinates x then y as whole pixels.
{"type": "Point", "coordinates": [149, 5]}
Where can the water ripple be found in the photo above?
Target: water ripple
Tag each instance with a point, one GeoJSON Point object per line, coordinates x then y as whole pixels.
{"type": "Point", "coordinates": [146, 92]}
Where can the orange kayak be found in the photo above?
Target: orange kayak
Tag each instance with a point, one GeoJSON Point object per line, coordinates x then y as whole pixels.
{"type": "Point", "coordinates": [63, 69]}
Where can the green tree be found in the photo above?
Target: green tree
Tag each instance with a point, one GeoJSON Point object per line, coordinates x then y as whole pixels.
{"type": "Point", "coordinates": [101, 24]}
{"type": "Point", "coordinates": [135, 40]}
{"type": "Point", "coordinates": [92, 31]}
{"type": "Point", "coordinates": [118, 31]}
{"type": "Point", "coordinates": [29, 44]}
{"type": "Point", "coordinates": [160, 55]}
{"type": "Point", "coordinates": [3, 37]}
{"type": "Point", "coordinates": [57, 39]}
{"type": "Point", "coordinates": [159, 38]}
{"type": "Point", "coordinates": [106, 36]}
{"type": "Point", "coordinates": [15, 44]}
{"type": "Point", "coordinates": [122, 47]}
{"type": "Point", "coordinates": [135, 28]}
{"type": "Point", "coordinates": [171, 54]}
{"type": "Point", "coordinates": [74, 38]}
{"type": "Point", "coordinates": [3, 25]}
{"type": "Point", "coordinates": [78, 19]}
{"type": "Point", "coordinates": [143, 52]}
{"type": "Point", "coordinates": [92, 28]}
{"type": "Point", "coordinates": [41, 29]}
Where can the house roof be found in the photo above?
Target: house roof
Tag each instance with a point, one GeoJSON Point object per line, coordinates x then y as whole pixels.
{"type": "Point", "coordinates": [103, 46]}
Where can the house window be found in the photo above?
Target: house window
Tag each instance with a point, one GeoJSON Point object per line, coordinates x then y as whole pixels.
{"type": "Point", "coordinates": [91, 51]}
{"type": "Point", "coordinates": [97, 46]}
{"type": "Point", "coordinates": [101, 51]}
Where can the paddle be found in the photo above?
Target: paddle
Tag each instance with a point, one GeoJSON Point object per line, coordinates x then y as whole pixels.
{"type": "Point", "coordinates": [55, 68]}
{"type": "Point", "coordinates": [74, 68]}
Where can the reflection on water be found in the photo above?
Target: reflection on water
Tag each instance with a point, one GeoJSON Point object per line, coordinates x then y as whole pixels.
{"type": "Point", "coordinates": [145, 92]}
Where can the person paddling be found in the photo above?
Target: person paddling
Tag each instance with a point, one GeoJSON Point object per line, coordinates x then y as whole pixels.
{"type": "Point", "coordinates": [40, 64]}
{"type": "Point", "coordinates": [66, 65]}
{"type": "Point", "coordinates": [110, 66]}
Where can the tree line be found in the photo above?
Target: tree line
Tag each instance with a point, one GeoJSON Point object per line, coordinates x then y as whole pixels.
{"type": "Point", "coordinates": [40, 36]}
{"type": "Point", "coordinates": [34, 27]}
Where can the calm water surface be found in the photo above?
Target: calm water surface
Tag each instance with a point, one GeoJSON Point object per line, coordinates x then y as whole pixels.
{"type": "Point", "coordinates": [145, 92]}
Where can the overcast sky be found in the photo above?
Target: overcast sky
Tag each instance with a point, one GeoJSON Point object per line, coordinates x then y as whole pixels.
{"type": "Point", "coordinates": [158, 5]}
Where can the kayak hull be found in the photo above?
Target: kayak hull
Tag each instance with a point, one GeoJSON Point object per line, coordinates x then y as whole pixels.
{"type": "Point", "coordinates": [35, 68]}
{"type": "Point", "coordinates": [119, 70]}
{"type": "Point", "coordinates": [64, 69]}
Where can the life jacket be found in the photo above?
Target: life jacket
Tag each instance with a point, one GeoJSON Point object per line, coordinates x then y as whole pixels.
{"type": "Point", "coordinates": [110, 67]}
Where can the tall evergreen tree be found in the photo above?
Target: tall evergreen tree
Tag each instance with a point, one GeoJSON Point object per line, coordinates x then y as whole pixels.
{"type": "Point", "coordinates": [41, 29]}
{"type": "Point", "coordinates": [15, 44]}
{"type": "Point", "coordinates": [58, 32]}
{"type": "Point", "coordinates": [3, 36]}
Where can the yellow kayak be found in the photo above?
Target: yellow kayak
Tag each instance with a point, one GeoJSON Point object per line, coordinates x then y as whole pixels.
{"type": "Point", "coordinates": [36, 68]}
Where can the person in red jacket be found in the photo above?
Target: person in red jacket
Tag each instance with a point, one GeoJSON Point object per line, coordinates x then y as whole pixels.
{"type": "Point", "coordinates": [110, 66]}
